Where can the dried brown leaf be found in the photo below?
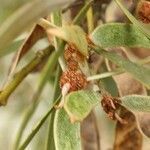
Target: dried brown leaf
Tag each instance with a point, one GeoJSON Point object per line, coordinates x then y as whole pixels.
{"type": "Point", "coordinates": [36, 34]}
{"type": "Point", "coordinates": [89, 133]}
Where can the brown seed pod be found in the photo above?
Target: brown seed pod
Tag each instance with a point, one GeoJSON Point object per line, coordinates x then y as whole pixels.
{"type": "Point", "coordinates": [110, 106]}
{"type": "Point", "coordinates": [71, 53]}
{"type": "Point", "coordinates": [76, 80]}
{"type": "Point", "coordinates": [72, 65]}
{"type": "Point", "coordinates": [143, 11]}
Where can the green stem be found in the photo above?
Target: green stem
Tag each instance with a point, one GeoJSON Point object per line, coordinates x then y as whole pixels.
{"type": "Point", "coordinates": [56, 19]}
{"type": "Point", "coordinates": [104, 75]}
{"type": "Point", "coordinates": [116, 72]}
{"type": "Point", "coordinates": [20, 75]}
{"type": "Point", "coordinates": [38, 126]}
{"type": "Point", "coordinates": [50, 139]}
{"type": "Point", "coordinates": [90, 20]}
{"type": "Point", "coordinates": [82, 13]}
{"type": "Point", "coordinates": [48, 68]}
{"type": "Point", "coordinates": [139, 25]}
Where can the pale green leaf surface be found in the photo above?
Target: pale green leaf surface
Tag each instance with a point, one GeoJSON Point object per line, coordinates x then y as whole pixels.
{"type": "Point", "coordinates": [79, 104]}
{"type": "Point", "coordinates": [139, 72]}
{"type": "Point", "coordinates": [136, 103]}
{"type": "Point", "coordinates": [66, 134]}
{"type": "Point", "coordinates": [72, 34]}
{"type": "Point", "coordinates": [142, 27]}
{"type": "Point", "coordinates": [119, 34]}
{"type": "Point", "coordinates": [25, 17]}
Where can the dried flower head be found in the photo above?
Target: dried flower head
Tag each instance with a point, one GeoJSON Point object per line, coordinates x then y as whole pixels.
{"type": "Point", "coordinates": [72, 53]}
{"type": "Point", "coordinates": [143, 11]}
{"type": "Point", "coordinates": [76, 80]}
{"type": "Point", "coordinates": [110, 106]}
{"type": "Point", "coordinates": [72, 65]}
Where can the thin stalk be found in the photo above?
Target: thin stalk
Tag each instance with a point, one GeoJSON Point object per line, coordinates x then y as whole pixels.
{"type": "Point", "coordinates": [37, 127]}
{"type": "Point", "coordinates": [48, 68]}
{"type": "Point", "coordinates": [20, 75]}
{"type": "Point", "coordinates": [104, 75]}
{"type": "Point", "coordinates": [82, 13]}
{"type": "Point", "coordinates": [90, 20]}
{"type": "Point", "coordinates": [50, 139]}
{"type": "Point", "coordinates": [116, 72]}
{"type": "Point", "coordinates": [56, 19]}
{"type": "Point", "coordinates": [143, 28]}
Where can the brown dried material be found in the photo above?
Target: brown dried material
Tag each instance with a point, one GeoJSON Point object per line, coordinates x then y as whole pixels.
{"type": "Point", "coordinates": [111, 105]}
{"type": "Point", "coordinates": [90, 137]}
{"type": "Point", "coordinates": [143, 11]}
{"type": "Point", "coordinates": [72, 53]}
{"type": "Point", "coordinates": [72, 65]}
{"type": "Point", "coordinates": [76, 80]}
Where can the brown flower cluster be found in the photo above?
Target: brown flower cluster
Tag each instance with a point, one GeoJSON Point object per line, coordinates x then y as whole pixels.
{"type": "Point", "coordinates": [111, 105]}
{"type": "Point", "coordinates": [143, 11]}
{"type": "Point", "coordinates": [73, 75]}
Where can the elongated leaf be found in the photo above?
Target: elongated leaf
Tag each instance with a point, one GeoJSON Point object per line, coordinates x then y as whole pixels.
{"type": "Point", "coordinates": [136, 103]}
{"type": "Point", "coordinates": [80, 103]}
{"type": "Point", "coordinates": [66, 135]}
{"type": "Point", "coordinates": [139, 72]}
{"type": "Point", "coordinates": [143, 28]}
{"type": "Point", "coordinates": [72, 34]}
{"type": "Point", "coordinates": [22, 18]}
{"type": "Point", "coordinates": [119, 34]}
{"type": "Point", "coordinates": [36, 34]}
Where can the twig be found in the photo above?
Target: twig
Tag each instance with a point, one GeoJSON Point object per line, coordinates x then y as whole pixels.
{"type": "Point", "coordinates": [20, 75]}
{"type": "Point", "coordinates": [38, 126]}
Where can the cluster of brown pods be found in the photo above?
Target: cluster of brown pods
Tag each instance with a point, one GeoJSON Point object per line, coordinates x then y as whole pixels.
{"type": "Point", "coordinates": [73, 75]}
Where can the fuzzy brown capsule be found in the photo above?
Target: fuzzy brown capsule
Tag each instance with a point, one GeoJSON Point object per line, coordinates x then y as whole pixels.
{"type": "Point", "coordinates": [143, 11]}
{"type": "Point", "coordinates": [76, 80]}
{"type": "Point", "coordinates": [71, 53]}
{"type": "Point", "coordinates": [110, 106]}
{"type": "Point", "coordinates": [72, 65]}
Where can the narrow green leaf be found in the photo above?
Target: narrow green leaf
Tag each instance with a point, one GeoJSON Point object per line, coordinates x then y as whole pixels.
{"type": "Point", "coordinates": [25, 17]}
{"type": "Point", "coordinates": [37, 127]}
{"type": "Point", "coordinates": [66, 135]}
{"type": "Point", "coordinates": [139, 25]}
{"type": "Point", "coordinates": [72, 34]}
{"type": "Point", "coordinates": [139, 72]}
{"type": "Point", "coordinates": [82, 13]}
{"type": "Point", "coordinates": [79, 104]}
{"type": "Point", "coordinates": [136, 103]}
{"type": "Point", "coordinates": [119, 34]}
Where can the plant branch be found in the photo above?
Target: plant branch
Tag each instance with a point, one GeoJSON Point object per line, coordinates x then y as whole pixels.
{"type": "Point", "coordinates": [48, 68]}
{"type": "Point", "coordinates": [90, 20]}
{"type": "Point", "coordinates": [20, 75]}
{"type": "Point", "coordinates": [38, 126]}
{"type": "Point", "coordinates": [104, 75]}
{"type": "Point", "coordinates": [82, 13]}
